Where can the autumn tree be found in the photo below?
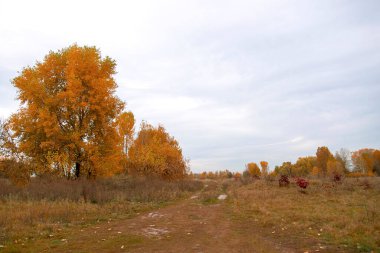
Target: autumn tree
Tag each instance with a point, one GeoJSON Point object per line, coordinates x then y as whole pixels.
{"type": "Point", "coordinates": [343, 157]}
{"type": "Point", "coordinates": [304, 165]}
{"type": "Point", "coordinates": [366, 161]}
{"type": "Point", "coordinates": [323, 156]}
{"type": "Point", "coordinates": [67, 119]}
{"type": "Point", "coordinates": [334, 167]}
{"type": "Point", "coordinates": [253, 169]}
{"type": "Point", "coordinates": [376, 157]}
{"type": "Point", "coordinates": [126, 123]}
{"type": "Point", "coordinates": [287, 169]}
{"type": "Point", "coordinates": [264, 168]}
{"type": "Point", "coordinates": [155, 153]}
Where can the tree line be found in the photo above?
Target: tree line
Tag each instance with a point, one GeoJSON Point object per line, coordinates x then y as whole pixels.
{"type": "Point", "coordinates": [71, 124]}
{"type": "Point", "coordinates": [362, 162]}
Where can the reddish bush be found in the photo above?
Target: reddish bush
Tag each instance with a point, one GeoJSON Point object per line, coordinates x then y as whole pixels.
{"type": "Point", "coordinates": [303, 183]}
{"type": "Point", "coordinates": [283, 181]}
{"type": "Point", "coordinates": [337, 178]}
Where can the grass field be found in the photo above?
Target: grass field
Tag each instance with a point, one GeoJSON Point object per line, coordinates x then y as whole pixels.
{"type": "Point", "coordinates": [345, 215]}
{"type": "Point", "coordinates": [257, 216]}
{"type": "Point", "coordinates": [46, 206]}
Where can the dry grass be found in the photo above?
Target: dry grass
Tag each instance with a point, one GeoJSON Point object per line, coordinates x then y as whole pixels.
{"type": "Point", "coordinates": [346, 215]}
{"type": "Point", "coordinates": [45, 206]}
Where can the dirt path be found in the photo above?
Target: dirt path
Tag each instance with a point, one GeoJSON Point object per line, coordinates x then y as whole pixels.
{"type": "Point", "coordinates": [188, 226]}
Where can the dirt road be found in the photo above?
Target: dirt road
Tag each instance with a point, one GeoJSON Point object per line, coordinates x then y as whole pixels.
{"type": "Point", "coordinates": [188, 226]}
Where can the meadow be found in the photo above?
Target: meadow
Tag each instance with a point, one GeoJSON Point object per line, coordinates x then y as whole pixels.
{"type": "Point", "coordinates": [257, 216]}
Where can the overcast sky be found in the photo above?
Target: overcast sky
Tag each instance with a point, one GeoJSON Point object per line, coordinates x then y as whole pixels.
{"type": "Point", "coordinates": [233, 81]}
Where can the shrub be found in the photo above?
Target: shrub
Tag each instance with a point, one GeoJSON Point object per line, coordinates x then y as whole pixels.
{"type": "Point", "coordinates": [337, 178]}
{"type": "Point", "coordinates": [302, 183]}
{"type": "Point", "coordinates": [283, 181]}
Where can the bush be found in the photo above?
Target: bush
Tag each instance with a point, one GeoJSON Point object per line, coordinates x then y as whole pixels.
{"type": "Point", "coordinates": [302, 183]}
{"type": "Point", "coordinates": [337, 178]}
{"type": "Point", "coordinates": [283, 181]}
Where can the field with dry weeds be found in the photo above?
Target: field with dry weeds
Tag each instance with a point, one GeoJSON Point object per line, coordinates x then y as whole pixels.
{"type": "Point", "coordinates": [329, 217]}
{"type": "Point", "coordinates": [139, 215]}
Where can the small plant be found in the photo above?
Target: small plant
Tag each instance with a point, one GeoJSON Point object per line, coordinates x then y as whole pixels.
{"type": "Point", "coordinates": [283, 181]}
{"type": "Point", "coordinates": [337, 178]}
{"type": "Point", "coordinates": [302, 183]}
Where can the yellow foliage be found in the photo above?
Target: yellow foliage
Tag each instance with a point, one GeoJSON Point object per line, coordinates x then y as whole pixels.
{"type": "Point", "coordinates": [67, 121]}
{"type": "Point", "coordinates": [126, 123]}
{"type": "Point", "coordinates": [155, 153]}
{"type": "Point", "coordinates": [316, 171]}
{"type": "Point", "coordinates": [253, 169]}
{"type": "Point", "coordinates": [264, 168]}
{"type": "Point", "coordinates": [334, 168]}
{"type": "Point", "coordinates": [323, 156]}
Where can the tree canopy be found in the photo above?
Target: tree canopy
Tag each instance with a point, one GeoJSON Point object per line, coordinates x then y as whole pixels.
{"type": "Point", "coordinates": [66, 122]}
{"type": "Point", "coordinates": [155, 152]}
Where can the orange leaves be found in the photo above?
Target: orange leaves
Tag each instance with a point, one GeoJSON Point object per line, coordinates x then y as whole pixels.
{"type": "Point", "coordinates": [69, 109]}
{"type": "Point", "coordinates": [253, 169]}
{"type": "Point", "coordinates": [323, 156]}
{"type": "Point", "coordinates": [126, 123]}
{"type": "Point", "coordinates": [264, 168]}
{"type": "Point", "coordinates": [366, 161]}
{"type": "Point", "coordinates": [155, 152]}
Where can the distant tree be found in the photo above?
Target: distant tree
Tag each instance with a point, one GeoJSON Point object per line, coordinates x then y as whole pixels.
{"type": "Point", "coordinates": [67, 119]}
{"type": "Point", "coordinates": [126, 123]}
{"type": "Point", "coordinates": [229, 174]}
{"type": "Point", "coordinates": [253, 169]}
{"type": "Point", "coordinates": [287, 168]}
{"type": "Point", "coordinates": [264, 168]}
{"type": "Point", "coordinates": [343, 157]}
{"type": "Point", "coordinates": [155, 153]}
{"type": "Point", "coordinates": [376, 157]}
{"type": "Point", "coordinates": [211, 175]}
{"type": "Point", "coordinates": [366, 161]}
{"type": "Point", "coordinates": [358, 162]}
{"type": "Point", "coordinates": [323, 156]}
{"type": "Point", "coordinates": [237, 176]}
{"type": "Point", "coordinates": [334, 167]}
{"type": "Point", "coordinates": [304, 165]}
{"type": "Point", "coordinates": [203, 175]}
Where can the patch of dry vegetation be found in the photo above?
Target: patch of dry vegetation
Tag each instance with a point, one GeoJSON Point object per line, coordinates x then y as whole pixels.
{"type": "Point", "coordinates": [345, 215]}
{"type": "Point", "coordinates": [45, 206]}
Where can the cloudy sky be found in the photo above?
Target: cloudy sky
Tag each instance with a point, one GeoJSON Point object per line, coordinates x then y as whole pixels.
{"type": "Point", "coordinates": [233, 81]}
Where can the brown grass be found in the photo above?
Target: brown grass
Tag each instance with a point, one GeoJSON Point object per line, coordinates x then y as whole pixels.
{"type": "Point", "coordinates": [45, 206]}
{"type": "Point", "coordinates": [346, 215]}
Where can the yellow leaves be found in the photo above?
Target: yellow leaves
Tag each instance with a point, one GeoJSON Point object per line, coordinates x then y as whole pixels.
{"type": "Point", "coordinates": [366, 161]}
{"type": "Point", "coordinates": [155, 152]}
{"type": "Point", "coordinates": [253, 169]}
{"type": "Point", "coordinates": [334, 167]}
{"type": "Point", "coordinates": [264, 168]}
{"type": "Point", "coordinates": [323, 156]}
{"type": "Point", "coordinates": [70, 108]}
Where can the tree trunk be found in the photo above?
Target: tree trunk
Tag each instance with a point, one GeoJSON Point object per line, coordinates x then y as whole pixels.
{"type": "Point", "coordinates": [77, 169]}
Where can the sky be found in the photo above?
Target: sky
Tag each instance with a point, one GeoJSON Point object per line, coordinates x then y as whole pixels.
{"type": "Point", "coordinates": [233, 81]}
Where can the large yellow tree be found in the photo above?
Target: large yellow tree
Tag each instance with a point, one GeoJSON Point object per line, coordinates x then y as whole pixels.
{"type": "Point", "coordinates": [67, 120]}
